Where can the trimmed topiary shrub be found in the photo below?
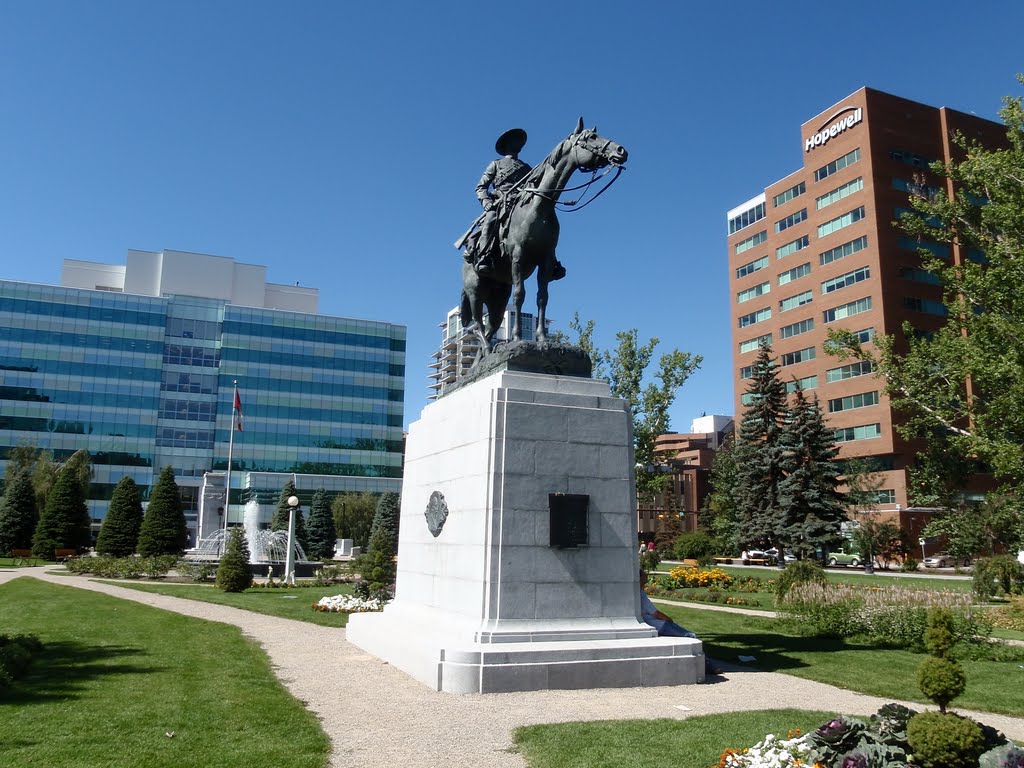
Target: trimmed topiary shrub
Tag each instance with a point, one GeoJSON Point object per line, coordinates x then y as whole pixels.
{"type": "Point", "coordinates": [941, 680]}
{"type": "Point", "coordinates": [941, 740]}
{"type": "Point", "coordinates": [233, 574]}
{"type": "Point", "coordinates": [800, 572]}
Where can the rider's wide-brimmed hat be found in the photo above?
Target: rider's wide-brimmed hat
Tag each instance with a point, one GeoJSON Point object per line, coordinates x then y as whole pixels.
{"type": "Point", "coordinates": [510, 142]}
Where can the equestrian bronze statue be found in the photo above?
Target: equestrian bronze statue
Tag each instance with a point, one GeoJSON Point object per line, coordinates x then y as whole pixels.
{"type": "Point", "coordinates": [518, 232]}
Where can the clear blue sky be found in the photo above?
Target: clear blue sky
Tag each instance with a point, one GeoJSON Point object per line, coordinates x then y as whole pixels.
{"type": "Point", "coordinates": [339, 143]}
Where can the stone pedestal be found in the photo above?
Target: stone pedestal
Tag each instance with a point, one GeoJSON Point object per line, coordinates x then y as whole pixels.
{"type": "Point", "coordinates": [484, 601]}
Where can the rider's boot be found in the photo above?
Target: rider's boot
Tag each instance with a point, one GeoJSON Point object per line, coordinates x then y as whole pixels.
{"type": "Point", "coordinates": [557, 271]}
{"type": "Point", "coordinates": [484, 264]}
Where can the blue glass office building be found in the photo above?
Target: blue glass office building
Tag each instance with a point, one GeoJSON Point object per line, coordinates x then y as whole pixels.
{"type": "Point", "coordinates": [125, 362]}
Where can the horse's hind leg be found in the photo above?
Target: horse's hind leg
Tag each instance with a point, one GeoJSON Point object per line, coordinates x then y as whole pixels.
{"type": "Point", "coordinates": [497, 301]}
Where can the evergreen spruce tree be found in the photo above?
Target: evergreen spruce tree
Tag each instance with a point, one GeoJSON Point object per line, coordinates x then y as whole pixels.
{"type": "Point", "coordinates": [388, 511]}
{"type": "Point", "coordinates": [321, 533]}
{"type": "Point", "coordinates": [163, 530]}
{"type": "Point", "coordinates": [233, 572]}
{"type": "Point", "coordinates": [280, 519]}
{"type": "Point", "coordinates": [119, 536]}
{"type": "Point", "coordinates": [18, 515]}
{"type": "Point", "coordinates": [65, 521]}
{"type": "Point", "coordinates": [759, 457]}
{"type": "Point", "coordinates": [810, 507]}
{"type": "Point", "coordinates": [377, 566]}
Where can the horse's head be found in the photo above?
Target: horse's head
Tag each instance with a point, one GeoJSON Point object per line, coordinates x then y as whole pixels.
{"type": "Point", "coordinates": [591, 151]}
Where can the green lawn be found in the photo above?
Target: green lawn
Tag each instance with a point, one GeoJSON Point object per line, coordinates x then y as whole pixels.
{"type": "Point", "coordinates": [857, 577]}
{"type": "Point", "coordinates": [696, 742]}
{"type": "Point", "coordinates": [8, 562]}
{"type": "Point", "coordinates": [286, 603]}
{"type": "Point", "coordinates": [991, 686]}
{"type": "Point", "coordinates": [758, 601]}
{"type": "Point", "coordinates": [116, 677]}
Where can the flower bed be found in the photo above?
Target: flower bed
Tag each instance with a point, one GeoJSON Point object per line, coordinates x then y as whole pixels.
{"type": "Point", "coordinates": [348, 604]}
{"type": "Point", "coordinates": [888, 739]}
{"type": "Point", "coordinates": [699, 577]}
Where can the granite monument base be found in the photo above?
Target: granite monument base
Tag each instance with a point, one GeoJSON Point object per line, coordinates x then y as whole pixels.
{"type": "Point", "coordinates": [517, 566]}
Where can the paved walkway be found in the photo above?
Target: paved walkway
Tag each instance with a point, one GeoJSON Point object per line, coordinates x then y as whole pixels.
{"type": "Point", "coordinates": [378, 716]}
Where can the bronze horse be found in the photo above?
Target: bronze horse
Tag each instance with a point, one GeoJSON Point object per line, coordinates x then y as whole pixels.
{"type": "Point", "coordinates": [532, 235]}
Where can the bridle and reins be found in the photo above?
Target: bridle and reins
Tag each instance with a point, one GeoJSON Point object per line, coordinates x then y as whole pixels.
{"type": "Point", "coordinates": [571, 206]}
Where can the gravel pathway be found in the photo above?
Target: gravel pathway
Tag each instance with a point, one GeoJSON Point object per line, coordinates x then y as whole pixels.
{"type": "Point", "coordinates": [376, 715]}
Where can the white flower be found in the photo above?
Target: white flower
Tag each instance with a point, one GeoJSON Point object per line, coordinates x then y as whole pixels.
{"type": "Point", "coordinates": [349, 604]}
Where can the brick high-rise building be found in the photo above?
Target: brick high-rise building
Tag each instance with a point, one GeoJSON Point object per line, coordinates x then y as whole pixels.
{"type": "Point", "coordinates": [818, 250]}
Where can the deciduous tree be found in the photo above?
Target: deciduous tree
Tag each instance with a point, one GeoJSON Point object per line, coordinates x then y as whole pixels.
{"type": "Point", "coordinates": [353, 516]}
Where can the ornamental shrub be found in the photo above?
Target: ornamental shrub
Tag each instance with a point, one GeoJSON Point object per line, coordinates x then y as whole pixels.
{"type": "Point", "coordinates": [941, 680]}
{"type": "Point", "coordinates": [695, 545]}
{"type": "Point", "coordinates": [938, 637]}
{"type": "Point", "coordinates": [942, 740]}
{"type": "Point", "coordinates": [233, 574]}
{"type": "Point", "coordinates": [800, 572]}
{"type": "Point", "coordinates": [16, 654]}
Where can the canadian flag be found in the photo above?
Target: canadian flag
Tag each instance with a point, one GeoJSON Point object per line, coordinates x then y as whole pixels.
{"type": "Point", "coordinates": [238, 410]}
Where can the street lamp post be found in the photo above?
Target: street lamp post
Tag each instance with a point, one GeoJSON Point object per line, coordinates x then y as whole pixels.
{"type": "Point", "coordinates": [289, 560]}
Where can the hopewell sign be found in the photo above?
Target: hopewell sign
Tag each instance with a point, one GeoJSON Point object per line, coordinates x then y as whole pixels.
{"type": "Point", "coordinates": [851, 116]}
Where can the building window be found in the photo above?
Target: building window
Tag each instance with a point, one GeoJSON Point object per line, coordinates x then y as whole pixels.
{"type": "Point", "coordinates": [837, 165]}
{"type": "Point", "coordinates": [799, 244]}
{"type": "Point", "coordinates": [796, 301]}
{"type": "Point", "coordinates": [844, 281]}
{"type": "Point", "coordinates": [752, 267]}
{"type": "Point", "coordinates": [804, 326]}
{"type": "Point", "coordinates": [789, 194]}
{"type": "Point", "coordinates": [745, 219]}
{"type": "Point", "coordinates": [753, 293]}
{"type": "Point", "coordinates": [844, 372]}
{"type": "Point", "coordinates": [926, 306]}
{"type": "Point", "coordinates": [790, 221]}
{"type": "Point", "coordinates": [750, 242]}
{"type": "Point", "coordinates": [864, 335]}
{"type": "Point", "coordinates": [747, 372]}
{"type": "Point", "coordinates": [746, 398]}
{"type": "Point", "coordinates": [977, 256]}
{"type": "Point", "coordinates": [915, 188]}
{"type": "Point", "coordinates": [807, 382]}
{"type": "Point", "coordinates": [839, 193]}
{"type": "Point", "coordinates": [863, 400]}
{"type": "Point", "coordinates": [752, 344]}
{"type": "Point", "coordinates": [909, 158]}
{"type": "Point", "coordinates": [800, 356]}
{"type": "Point", "coordinates": [865, 432]}
{"type": "Point", "coordinates": [844, 250]}
{"type": "Point", "coordinates": [755, 317]}
{"type": "Point", "coordinates": [841, 222]}
{"type": "Point", "coordinates": [919, 276]}
{"type": "Point", "coordinates": [848, 310]}
{"type": "Point", "coordinates": [931, 221]}
{"type": "Point", "coordinates": [886, 496]}
{"type": "Point", "coordinates": [914, 244]}
{"type": "Point", "coordinates": [794, 274]}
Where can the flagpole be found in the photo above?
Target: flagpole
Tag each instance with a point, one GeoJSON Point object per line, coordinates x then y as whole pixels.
{"type": "Point", "coordinates": [227, 482]}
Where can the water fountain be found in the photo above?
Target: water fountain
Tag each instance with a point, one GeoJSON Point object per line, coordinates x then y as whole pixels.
{"type": "Point", "coordinates": [265, 546]}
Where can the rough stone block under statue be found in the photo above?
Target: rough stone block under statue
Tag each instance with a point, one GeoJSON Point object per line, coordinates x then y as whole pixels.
{"type": "Point", "coordinates": [485, 601]}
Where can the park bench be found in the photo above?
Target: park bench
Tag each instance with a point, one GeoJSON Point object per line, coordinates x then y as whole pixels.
{"type": "Point", "coordinates": [60, 555]}
{"type": "Point", "coordinates": [23, 557]}
{"type": "Point", "coordinates": [756, 561]}
{"type": "Point", "coordinates": [690, 563]}
{"type": "Point", "coordinates": [723, 561]}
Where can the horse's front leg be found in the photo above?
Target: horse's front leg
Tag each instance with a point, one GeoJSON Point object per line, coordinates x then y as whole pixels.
{"type": "Point", "coordinates": [518, 296]}
{"type": "Point", "coordinates": [543, 278]}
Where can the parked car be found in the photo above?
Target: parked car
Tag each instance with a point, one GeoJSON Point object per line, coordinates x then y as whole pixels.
{"type": "Point", "coordinates": [944, 560]}
{"type": "Point", "coordinates": [842, 557]}
{"type": "Point", "coordinates": [774, 554]}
